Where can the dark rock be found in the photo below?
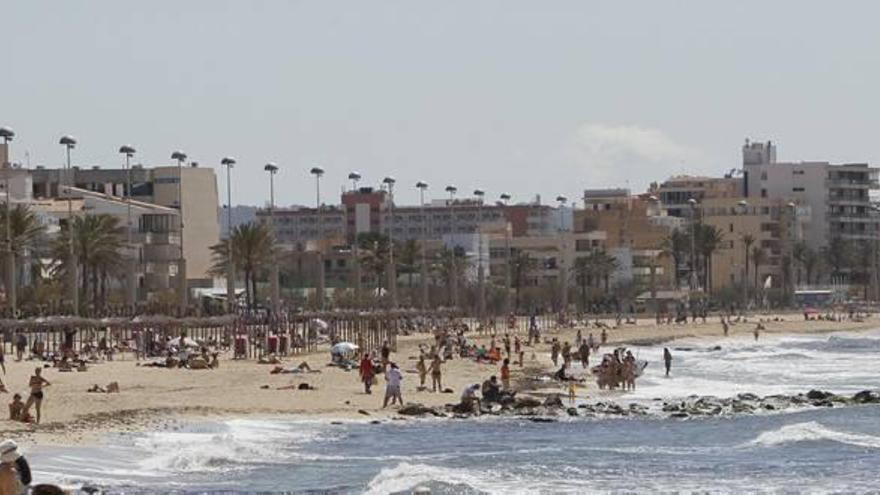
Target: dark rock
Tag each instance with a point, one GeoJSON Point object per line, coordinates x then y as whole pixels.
{"type": "Point", "coordinates": [375, 422]}
{"type": "Point", "coordinates": [819, 395]}
{"type": "Point", "coordinates": [572, 411]}
{"type": "Point", "coordinates": [747, 396]}
{"type": "Point", "coordinates": [412, 409]}
{"type": "Point", "coordinates": [365, 413]}
{"type": "Point", "coordinates": [866, 397]}
{"type": "Point", "coordinates": [541, 419]}
{"type": "Point", "coordinates": [679, 415]}
{"type": "Point", "coordinates": [553, 401]}
{"type": "Point", "coordinates": [526, 402]}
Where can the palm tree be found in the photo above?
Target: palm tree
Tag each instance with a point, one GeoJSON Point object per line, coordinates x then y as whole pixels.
{"type": "Point", "coordinates": [522, 264]}
{"type": "Point", "coordinates": [374, 251]}
{"type": "Point", "coordinates": [606, 265]}
{"type": "Point", "coordinates": [408, 256]}
{"type": "Point", "coordinates": [252, 246]}
{"type": "Point", "coordinates": [811, 263]}
{"type": "Point", "coordinates": [26, 235]}
{"type": "Point", "coordinates": [747, 240]}
{"type": "Point", "coordinates": [98, 241]}
{"type": "Point", "coordinates": [838, 253]}
{"type": "Point", "coordinates": [677, 246]}
{"type": "Point", "coordinates": [758, 259]}
{"type": "Point", "coordinates": [708, 240]}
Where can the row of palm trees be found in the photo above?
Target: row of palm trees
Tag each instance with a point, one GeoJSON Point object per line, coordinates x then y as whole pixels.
{"type": "Point", "coordinates": [253, 247]}
{"type": "Point", "coordinates": [98, 241]}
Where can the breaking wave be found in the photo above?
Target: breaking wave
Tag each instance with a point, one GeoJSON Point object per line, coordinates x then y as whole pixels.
{"type": "Point", "coordinates": [812, 431]}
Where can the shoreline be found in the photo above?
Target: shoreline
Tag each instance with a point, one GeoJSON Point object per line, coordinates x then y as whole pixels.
{"type": "Point", "coordinates": [153, 399]}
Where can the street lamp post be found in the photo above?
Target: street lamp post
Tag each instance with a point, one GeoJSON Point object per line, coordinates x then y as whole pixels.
{"type": "Point", "coordinates": [131, 274]}
{"type": "Point", "coordinates": [69, 142]}
{"type": "Point", "coordinates": [563, 273]}
{"type": "Point", "coordinates": [318, 172]}
{"type": "Point", "coordinates": [422, 186]}
{"type": "Point", "coordinates": [693, 278]}
{"type": "Point", "coordinates": [11, 279]}
{"type": "Point", "coordinates": [180, 156]}
{"type": "Point", "coordinates": [744, 209]}
{"type": "Point", "coordinates": [229, 162]}
{"type": "Point", "coordinates": [507, 268]}
{"type": "Point", "coordinates": [453, 277]}
{"type": "Point", "coordinates": [272, 169]}
{"type": "Point", "coordinates": [481, 272]}
{"type": "Point", "coordinates": [392, 268]}
{"type": "Point", "coordinates": [355, 177]}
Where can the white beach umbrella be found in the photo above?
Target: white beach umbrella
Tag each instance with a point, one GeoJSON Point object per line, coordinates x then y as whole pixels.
{"type": "Point", "coordinates": [343, 348]}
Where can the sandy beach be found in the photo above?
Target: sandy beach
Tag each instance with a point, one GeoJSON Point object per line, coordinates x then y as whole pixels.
{"type": "Point", "coordinates": [159, 398]}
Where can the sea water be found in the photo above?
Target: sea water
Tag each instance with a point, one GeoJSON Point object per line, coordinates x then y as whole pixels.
{"type": "Point", "coordinates": [804, 450]}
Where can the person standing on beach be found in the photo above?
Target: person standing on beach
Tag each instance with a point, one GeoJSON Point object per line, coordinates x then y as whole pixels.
{"type": "Point", "coordinates": [386, 354]}
{"type": "Point", "coordinates": [554, 352]}
{"type": "Point", "coordinates": [505, 374]}
{"type": "Point", "coordinates": [422, 368]}
{"type": "Point", "coordinates": [366, 372]}
{"type": "Point", "coordinates": [392, 387]}
{"type": "Point", "coordinates": [584, 354]}
{"type": "Point", "coordinates": [604, 336]}
{"type": "Point", "coordinates": [37, 382]}
{"type": "Point", "coordinates": [436, 374]}
{"type": "Point", "coordinates": [667, 359]}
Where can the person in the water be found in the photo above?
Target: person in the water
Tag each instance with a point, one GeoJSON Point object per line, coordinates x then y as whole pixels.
{"type": "Point", "coordinates": [667, 359]}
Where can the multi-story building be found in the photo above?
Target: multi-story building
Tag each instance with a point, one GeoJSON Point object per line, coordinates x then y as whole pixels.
{"type": "Point", "coordinates": [635, 229]}
{"type": "Point", "coordinates": [370, 210]}
{"type": "Point", "coordinates": [835, 195]}
{"type": "Point", "coordinates": [773, 227]}
{"type": "Point", "coordinates": [154, 232]}
{"type": "Point", "coordinates": [157, 186]}
{"type": "Point", "coordinates": [676, 192]}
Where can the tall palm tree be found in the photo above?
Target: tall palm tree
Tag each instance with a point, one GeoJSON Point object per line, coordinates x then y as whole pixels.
{"type": "Point", "coordinates": [252, 246]}
{"type": "Point", "coordinates": [27, 235]}
{"type": "Point", "coordinates": [758, 259]}
{"type": "Point", "coordinates": [709, 239]}
{"type": "Point", "coordinates": [677, 246]}
{"type": "Point", "coordinates": [811, 263]}
{"type": "Point", "coordinates": [747, 240]}
{"type": "Point", "coordinates": [522, 264]}
{"type": "Point", "coordinates": [838, 253]}
{"type": "Point", "coordinates": [409, 256]}
{"type": "Point", "coordinates": [584, 272]}
{"type": "Point", "coordinates": [98, 241]}
{"type": "Point", "coordinates": [799, 256]}
{"type": "Point", "coordinates": [374, 251]}
{"type": "Point", "coordinates": [605, 265]}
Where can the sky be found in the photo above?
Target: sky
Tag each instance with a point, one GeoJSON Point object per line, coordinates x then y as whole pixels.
{"type": "Point", "coordinates": [524, 97]}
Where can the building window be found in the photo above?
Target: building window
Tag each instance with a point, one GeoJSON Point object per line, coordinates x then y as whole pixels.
{"type": "Point", "coordinates": [731, 228]}
{"type": "Point", "coordinates": [763, 193]}
{"type": "Point", "coordinates": [797, 189]}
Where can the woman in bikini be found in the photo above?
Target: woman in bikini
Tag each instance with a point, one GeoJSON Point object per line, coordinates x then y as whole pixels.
{"type": "Point", "coordinates": [37, 382]}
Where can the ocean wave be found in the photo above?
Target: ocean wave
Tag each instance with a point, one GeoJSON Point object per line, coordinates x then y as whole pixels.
{"type": "Point", "coordinates": [405, 477]}
{"type": "Point", "coordinates": [812, 431]}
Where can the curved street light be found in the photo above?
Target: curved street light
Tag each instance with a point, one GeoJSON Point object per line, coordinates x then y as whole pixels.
{"type": "Point", "coordinates": [453, 277]}
{"type": "Point", "coordinates": [11, 277]}
{"type": "Point", "coordinates": [229, 163]}
{"type": "Point", "coordinates": [272, 168]}
{"type": "Point", "coordinates": [130, 286]}
{"type": "Point", "coordinates": [505, 199]}
{"type": "Point", "coordinates": [422, 187]}
{"type": "Point", "coordinates": [392, 268]}
{"type": "Point", "coordinates": [180, 157]}
{"type": "Point", "coordinates": [318, 172]}
{"type": "Point", "coordinates": [69, 143]}
{"type": "Point", "coordinates": [481, 271]}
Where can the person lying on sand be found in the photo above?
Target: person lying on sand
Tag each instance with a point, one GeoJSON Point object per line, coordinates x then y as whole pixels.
{"type": "Point", "coordinates": [270, 359]}
{"type": "Point", "coordinates": [302, 368]}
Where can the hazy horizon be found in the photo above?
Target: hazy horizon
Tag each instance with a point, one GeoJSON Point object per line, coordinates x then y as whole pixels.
{"type": "Point", "coordinates": [508, 96]}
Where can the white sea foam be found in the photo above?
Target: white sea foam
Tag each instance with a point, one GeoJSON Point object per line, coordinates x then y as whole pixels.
{"type": "Point", "coordinates": [223, 446]}
{"type": "Point", "coordinates": [405, 477]}
{"type": "Point", "coordinates": [812, 431]}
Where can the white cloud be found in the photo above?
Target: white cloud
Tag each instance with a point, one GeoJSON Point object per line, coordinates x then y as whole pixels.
{"type": "Point", "coordinates": [620, 155]}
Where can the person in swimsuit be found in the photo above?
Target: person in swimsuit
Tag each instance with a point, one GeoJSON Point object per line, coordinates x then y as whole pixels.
{"type": "Point", "coordinates": [37, 382]}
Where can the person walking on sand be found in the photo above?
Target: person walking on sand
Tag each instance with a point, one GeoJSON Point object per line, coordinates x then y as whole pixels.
{"type": "Point", "coordinates": [386, 354]}
{"type": "Point", "coordinates": [367, 374]}
{"type": "Point", "coordinates": [554, 352]}
{"type": "Point", "coordinates": [36, 383]}
{"type": "Point", "coordinates": [436, 375]}
{"type": "Point", "coordinates": [667, 359]}
{"type": "Point", "coordinates": [392, 388]}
